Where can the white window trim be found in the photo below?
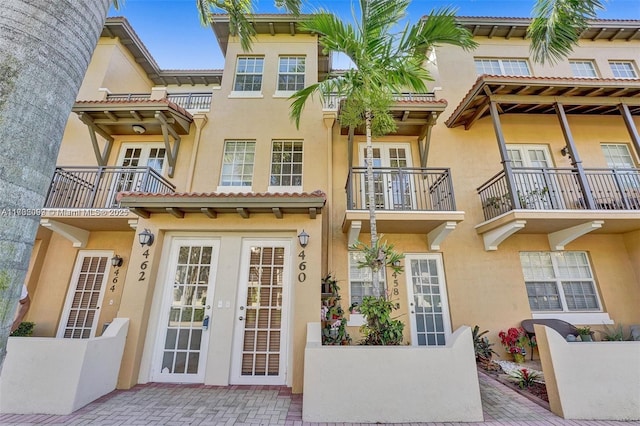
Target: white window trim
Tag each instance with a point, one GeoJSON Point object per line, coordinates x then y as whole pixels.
{"type": "Point", "coordinates": [565, 312]}
{"type": "Point", "coordinates": [236, 188]}
{"type": "Point", "coordinates": [356, 320]}
{"type": "Point", "coordinates": [589, 61]}
{"type": "Point", "coordinates": [286, 188]}
{"type": "Point", "coordinates": [501, 64]}
{"type": "Point", "coordinates": [624, 61]}
{"type": "Point", "coordinates": [287, 93]}
{"type": "Point", "coordinates": [579, 318]}
{"type": "Point", "coordinates": [240, 95]}
{"type": "Point", "coordinates": [251, 93]}
{"type": "Point", "coordinates": [294, 188]}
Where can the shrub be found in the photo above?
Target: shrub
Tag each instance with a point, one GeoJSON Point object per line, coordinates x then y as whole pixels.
{"type": "Point", "coordinates": [524, 378]}
{"type": "Point", "coordinates": [380, 328]}
{"type": "Point", "coordinates": [25, 329]}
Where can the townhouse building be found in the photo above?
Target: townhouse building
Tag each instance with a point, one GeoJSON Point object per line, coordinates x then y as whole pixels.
{"type": "Point", "coordinates": [188, 202]}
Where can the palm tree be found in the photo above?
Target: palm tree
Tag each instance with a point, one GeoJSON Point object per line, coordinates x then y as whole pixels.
{"type": "Point", "coordinates": [557, 26]}
{"type": "Point", "coordinates": [385, 63]}
{"type": "Point", "coordinates": [45, 48]}
{"type": "Point", "coordinates": [239, 12]}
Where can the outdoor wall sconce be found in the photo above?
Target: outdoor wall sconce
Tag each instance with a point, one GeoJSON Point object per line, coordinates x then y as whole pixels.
{"type": "Point", "coordinates": [564, 151]}
{"type": "Point", "coordinates": [303, 239]}
{"type": "Point", "coordinates": [138, 129]}
{"type": "Point", "coordinates": [145, 238]}
{"type": "Point", "coordinates": [116, 261]}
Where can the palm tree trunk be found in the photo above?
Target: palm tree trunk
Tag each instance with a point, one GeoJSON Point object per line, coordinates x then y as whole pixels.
{"type": "Point", "coordinates": [371, 199]}
{"type": "Point", "coordinates": [45, 48]}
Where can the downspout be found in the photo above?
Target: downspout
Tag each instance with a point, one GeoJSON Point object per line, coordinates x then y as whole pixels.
{"type": "Point", "coordinates": [329, 119]}
{"type": "Point", "coordinates": [575, 160]}
{"type": "Point", "coordinates": [506, 162]}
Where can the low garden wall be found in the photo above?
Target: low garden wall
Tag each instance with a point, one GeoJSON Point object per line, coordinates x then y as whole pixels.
{"type": "Point", "coordinates": [44, 375]}
{"type": "Point", "coordinates": [391, 384]}
{"type": "Point", "coordinates": [590, 380]}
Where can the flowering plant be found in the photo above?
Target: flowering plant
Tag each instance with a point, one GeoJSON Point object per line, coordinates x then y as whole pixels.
{"type": "Point", "coordinates": [515, 340]}
{"type": "Point", "coordinates": [525, 378]}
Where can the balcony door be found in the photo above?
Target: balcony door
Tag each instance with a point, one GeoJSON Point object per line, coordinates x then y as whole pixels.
{"type": "Point", "coordinates": [537, 186]}
{"type": "Point", "coordinates": [392, 184]}
{"type": "Point", "coordinates": [150, 155]}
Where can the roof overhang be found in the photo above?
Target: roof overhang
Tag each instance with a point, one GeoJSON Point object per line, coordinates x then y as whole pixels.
{"type": "Point", "coordinates": [119, 27]}
{"type": "Point", "coordinates": [150, 117]}
{"type": "Point", "coordinates": [538, 95]}
{"type": "Point", "coordinates": [270, 24]}
{"type": "Point", "coordinates": [601, 29]}
{"type": "Point", "coordinates": [215, 203]}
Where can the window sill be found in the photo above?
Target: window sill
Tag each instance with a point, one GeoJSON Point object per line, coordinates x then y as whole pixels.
{"type": "Point", "coordinates": [246, 95]}
{"type": "Point", "coordinates": [284, 94]}
{"type": "Point", "coordinates": [233, 189]}
{"type": "Point", "coordinates": [576, 318]}
{"type": "Point", "coordinates": [285, 189]}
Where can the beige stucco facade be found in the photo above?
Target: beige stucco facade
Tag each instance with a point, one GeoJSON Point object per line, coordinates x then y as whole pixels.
{"type": "Point", "coordinates": [476, 284]}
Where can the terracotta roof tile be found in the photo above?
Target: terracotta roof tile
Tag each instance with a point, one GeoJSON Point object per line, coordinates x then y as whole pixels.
{"type": "Point", "coordinates": [163, 101]}
{"type": "Point", "coordinates": [182, 195]}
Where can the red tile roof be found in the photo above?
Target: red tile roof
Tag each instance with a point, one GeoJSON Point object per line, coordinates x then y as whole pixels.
{"type": "Point", "coordinates": [191, 195]}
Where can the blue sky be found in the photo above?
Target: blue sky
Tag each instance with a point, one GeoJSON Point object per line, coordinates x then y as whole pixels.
{"type": "Point", "coordinates": [172, 32]}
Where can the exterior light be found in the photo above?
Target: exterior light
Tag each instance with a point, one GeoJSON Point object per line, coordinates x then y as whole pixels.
{"type": "Point", "coordinates": [145, 238]}
{"type": "Point", "coordinates": [138, 129]}
{"type": "Point", "coordinates": [303, 239]}
{"type": "Point", "coordinates": [564, 151]}
{"type": "Point", "coordinates": [116, 261]}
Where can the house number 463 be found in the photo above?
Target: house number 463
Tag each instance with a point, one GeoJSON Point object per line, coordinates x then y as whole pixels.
{"type": "Point", "coordinates": [302, 266]}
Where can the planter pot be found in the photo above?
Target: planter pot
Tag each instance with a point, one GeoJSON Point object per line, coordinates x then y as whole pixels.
{"type": "Point", "coordinates": [519, 358]}
{"type": "Point", "coordinates": [586, 338]}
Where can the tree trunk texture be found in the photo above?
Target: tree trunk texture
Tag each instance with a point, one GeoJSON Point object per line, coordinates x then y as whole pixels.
{"type": "Point", "coordinates": [371, 199]}
{"type": "Point", "coordinates": [45, 48]}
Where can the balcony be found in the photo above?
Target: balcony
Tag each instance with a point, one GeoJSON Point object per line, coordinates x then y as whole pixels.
{"type": "Point", "coordinates": [193, 101]}
{"type": "Point", "coordinates": [551, 201]}
{"type": "Point", "coordinates": [408, 201]}
{"type": "Point", "coordinates": [80, 195]}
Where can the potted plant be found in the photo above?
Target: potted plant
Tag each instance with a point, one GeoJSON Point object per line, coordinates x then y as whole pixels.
{"type": "Point", "coordinates": [515, 341]}
{"type": "Point", "coordinates": [585, 333]}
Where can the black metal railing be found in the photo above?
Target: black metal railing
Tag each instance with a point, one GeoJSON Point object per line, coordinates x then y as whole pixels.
{"type": "Point", "coordinates": [402, 189]}
{"type": "Point", "coordinates": [548, 188]}
{"type": "Point", "coordinates": [97, 187]}
{"type": "Point", "coordinates": [332, 100]}
{"type": "Point", "coordinates": [200, 101]}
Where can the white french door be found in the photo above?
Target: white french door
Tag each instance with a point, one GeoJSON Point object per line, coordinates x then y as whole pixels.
{"type": "Point", "coordinates": [183, 333]}
{"type": "Point", "coordinates": [137, 155]}
{"type": "Point", "coordinates": [260, 336]}
{"type": "Point", "coordinates": [428, 305]}
{"type": "Point", "coordinates": [536, 189]}
{"type": "Point", "coordinates": [84, 298]}
{"type": "Point", "coordinates": [392, 186]}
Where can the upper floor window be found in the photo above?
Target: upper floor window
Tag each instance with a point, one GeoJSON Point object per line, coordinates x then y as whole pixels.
{"type": "Point", "coordinates": [237, 164]}
{"type": "Point", "coordinates": [502, 66]}
{"type": "Point", "coordinates": [249, 74]}
{"type": "Point", "coordinates": [623, 69]}
{"type": "Point", "coordinates": [583, 69]}
{"type": "Point", "coordinates": [286, 163]}
{"type": "Point", "coordinates": [291, 73]}
{"type": "Point", "coordinates": [559, 281]}
{"type": "Point", "coordinates": [618, 155]}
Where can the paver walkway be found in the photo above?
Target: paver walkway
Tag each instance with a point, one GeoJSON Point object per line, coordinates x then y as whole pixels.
{"type": "Point", "coordinates": [165, 404]}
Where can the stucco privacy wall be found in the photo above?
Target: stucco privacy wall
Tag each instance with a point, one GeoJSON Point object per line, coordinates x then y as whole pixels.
{"type": "Point", "coordinates": [396, 384]}
{"type": "Point", "coordinates": [59, 376]}
{"type": "Point", "coordinates": [590, 380]}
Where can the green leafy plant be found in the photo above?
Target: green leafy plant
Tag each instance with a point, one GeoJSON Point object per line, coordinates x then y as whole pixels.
{"type": "Point", "coordinates": [380, 328]}
{"type": "Point", "coordinates": [25, 329]}
{"type": "Point", "coordinates": [481, 344]}
{"type": "Point", "coordinates": [524, 377]}
{"type": "Point", "coordinates": [334, 326]}
{"type": "Point", "coordinates": [379, 255]}
{"type": "Point", "coordinates": [584, 331]}
{"type": "Point", "coordinates": [613, 334]}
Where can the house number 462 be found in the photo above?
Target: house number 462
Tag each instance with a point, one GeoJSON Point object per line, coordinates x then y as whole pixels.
{"type": "Point", "coordinates": [302, 266]}
{"type": "Point", "coordinates": [143, 266]}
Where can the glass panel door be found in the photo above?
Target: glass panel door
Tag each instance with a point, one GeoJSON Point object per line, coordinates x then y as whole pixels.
{"type": "Point", "coordinates": [392, 183]}
{"type": "Point", "coordinates": [429, 309]}
{"type": "Point", "coordinates": [260, 343]}
{"type": "Point", "coordinates": [537, 186]}
{"type": "Point", "coordinates": [183, 340]}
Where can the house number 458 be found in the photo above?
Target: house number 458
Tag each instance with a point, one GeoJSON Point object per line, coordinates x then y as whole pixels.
{"type": "Point", "coordinates": [302, 266]}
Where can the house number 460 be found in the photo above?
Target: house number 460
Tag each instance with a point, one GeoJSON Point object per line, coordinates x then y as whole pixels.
{"type": "Point", "coordinates": [302, 266]}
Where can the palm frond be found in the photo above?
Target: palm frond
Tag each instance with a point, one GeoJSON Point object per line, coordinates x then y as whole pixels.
{"type": "Point", "coordinates": [335, 35]}
{"type": "Point", "coordinates": [238, 11]}
{"type": "Point", "coordinates": [292, 6]}
{"type": "Point", "coordinates": [440, 27]}
{"type": "Point", "coordinates": [299, 100]}
{"type": "Point", "coordinates": [557, 25]}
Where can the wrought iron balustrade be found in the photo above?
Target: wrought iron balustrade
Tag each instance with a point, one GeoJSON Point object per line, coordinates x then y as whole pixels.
{"type": "Point", "coordinates": [332, 100]}
{"type": "Point", "coordinates": [128, 96]}
{"type": "Point", "coordinates": [97, 187]}
{"type": "Point", "coordinates": [547, 188]}
{"type": "Point", "coordinates": [402, 189]}
{"type": "Point", "coordinates": [200, 101]}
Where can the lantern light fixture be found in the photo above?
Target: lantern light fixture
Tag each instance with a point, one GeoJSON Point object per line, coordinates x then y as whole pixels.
{"type": "Point", "coordinates": [146, 238]}
{"type": "Point", "coordinates": [116, 261]}
{"type": "Point", "coordinates": [303, 239]}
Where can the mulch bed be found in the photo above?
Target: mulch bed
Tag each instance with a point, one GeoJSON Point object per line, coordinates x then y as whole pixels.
{"type": "Point", "coordinates": [537, 392]}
